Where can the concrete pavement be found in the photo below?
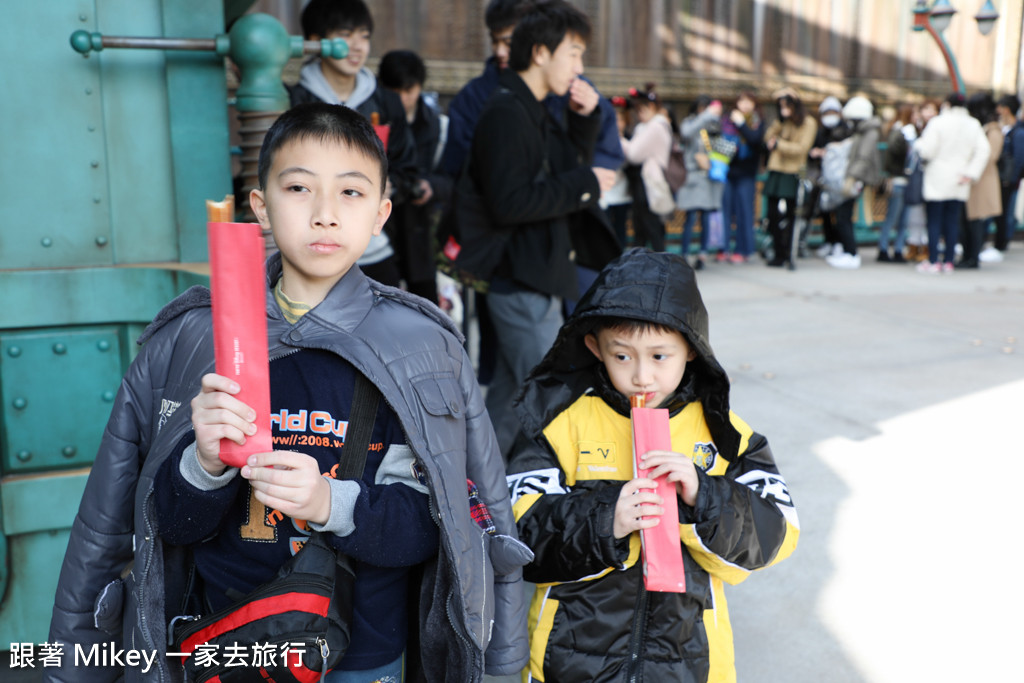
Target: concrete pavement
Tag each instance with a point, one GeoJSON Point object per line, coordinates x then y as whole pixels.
{"type": "Point", "coordinates": [892, 401]}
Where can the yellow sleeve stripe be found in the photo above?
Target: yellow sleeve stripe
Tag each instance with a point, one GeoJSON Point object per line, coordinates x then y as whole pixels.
{"type": "Point", "coordinates": [540, 634]}
{"type": "Point", "coordinates": [743, 428]}
{"type": "Point", "coordinates": [524, 503]}
{"type": "Point", "coordinates": [712, 563]}
{"type": "Point", "coordinates": [788, 543]}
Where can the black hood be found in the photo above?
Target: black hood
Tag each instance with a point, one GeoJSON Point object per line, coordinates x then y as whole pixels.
{"type": "Point", "coordinates": [641, 285]}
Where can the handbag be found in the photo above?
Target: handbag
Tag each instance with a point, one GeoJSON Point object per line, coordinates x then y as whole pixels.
{"type": "Point", "coordinates": [297, 626]}
{"type": "Point", "coordinates": [675, 172]}
{"type": "Point", "coordinates": [659, 195]}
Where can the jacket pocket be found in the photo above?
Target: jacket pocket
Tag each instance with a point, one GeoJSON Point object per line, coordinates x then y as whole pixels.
{"type": "Point", "coordinates": [108, 611]}
{"type": "Point", "coordinates": [443, 404]}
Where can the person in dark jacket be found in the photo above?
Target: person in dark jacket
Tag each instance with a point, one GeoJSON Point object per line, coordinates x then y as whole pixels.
{"type": "Point", "coordinates": [744, 126]}
{"type": "Point", "coordinates": [465, 108]}
{"type": "Point", "coordinates": [540, 190]}
{"type": "Point", "coordinates": [640, 329]}
{"type": "Point", "coordinates": [164, 525]}
{"type": "Point", "coordinates": [501, 17]}
{"type": "Point", "coordinates": [900, 137]}
{"type": "Point", "coordinates": [1011, 170]}
{"type": "Point", "coordinates": [412, 225]}
{"type": "Point", "coordinates": [349, 82]}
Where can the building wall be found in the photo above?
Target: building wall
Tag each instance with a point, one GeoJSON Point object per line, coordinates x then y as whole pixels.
{"type": "Point", "coordinates": [821, 47]}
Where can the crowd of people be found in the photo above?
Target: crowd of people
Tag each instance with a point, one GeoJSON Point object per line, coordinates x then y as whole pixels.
{"type": "Point", "coordinates": [523, 189]}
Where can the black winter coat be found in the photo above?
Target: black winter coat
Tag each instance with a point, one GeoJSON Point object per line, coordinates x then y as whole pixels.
{"type": "Point", "coordinates": [592, 618]}
{"type": "Point", "coordinates": [535, 180]}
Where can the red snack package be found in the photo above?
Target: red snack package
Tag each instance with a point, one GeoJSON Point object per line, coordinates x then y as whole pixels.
{"type": "Point", "coordinates": [383, 130]}
{"type": "Point", "coordinates": [661, 552]}
{"type": "Point", "coordinates": [238, 285]}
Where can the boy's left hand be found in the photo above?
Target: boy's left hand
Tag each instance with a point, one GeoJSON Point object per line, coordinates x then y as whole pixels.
{"type": "Point", "coordinates": [290, 482]}
{"type": "Point", "coordinates": [678, 468]}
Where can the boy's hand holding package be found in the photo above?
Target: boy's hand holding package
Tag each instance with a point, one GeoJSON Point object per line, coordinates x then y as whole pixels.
{"type": "Point", "coordinates": [291, 483]}
{"type": "Point", "coordinates": [638, 506]}
{"type": "Point", "coordinates": [216, 415]}
{"type": "Point", "coordinates": [678, 469]}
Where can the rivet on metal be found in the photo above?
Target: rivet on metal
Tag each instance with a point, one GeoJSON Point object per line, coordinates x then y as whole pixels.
{"type": "Point", "coordinates": [20, 403]}
{"type": "Point", "coordinates": [60, 349]}
{"type": "Point", "coordinates": [108, 396]}
{"type": "Point", "coordinates": [14, 351]}
{"type": "Point", "coordinates": [69, 451]}
{"type": "Point", "coordinates": [101, 241]}
{"type": "Point", "coordinates": [24, 456]}
{"type": "Point", "coordinates": [46, 242]}
{"type": "Point", "coordinates": [103, 345]}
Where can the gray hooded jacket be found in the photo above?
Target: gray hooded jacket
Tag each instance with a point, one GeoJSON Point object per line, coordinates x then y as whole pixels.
{"type": "Point", "coordinates": [118, 576]}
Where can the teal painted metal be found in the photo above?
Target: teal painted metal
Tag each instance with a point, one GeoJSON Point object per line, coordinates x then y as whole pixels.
{"type": "Point", "coordinates": [41, 502]}
{"type": "Point", "coordinates": [107, 163]}
{"type": "Point", "coordinates": [199, 125]}
{"type": "Point", "coordinates": [34, 560]}
{"type": "Point", "coordinates": [89, 295]}
{"type": "Point", "coordinates": [57, 387]}
{"type": "Point", "coordinates": [53, 185]}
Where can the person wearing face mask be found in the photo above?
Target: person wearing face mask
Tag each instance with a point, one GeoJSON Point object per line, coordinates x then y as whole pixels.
{"type": "Point", "coordinates": [832, 129]}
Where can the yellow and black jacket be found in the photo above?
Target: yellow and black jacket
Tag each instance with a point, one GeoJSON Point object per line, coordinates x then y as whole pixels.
{"type": "Point", "coordinates": [591, 618]}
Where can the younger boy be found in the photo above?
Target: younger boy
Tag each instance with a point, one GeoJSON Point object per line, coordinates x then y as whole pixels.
{"type": "Point", "coordinates": [421, 584]}
{"type": "Point", "coordinates": [640, 329]}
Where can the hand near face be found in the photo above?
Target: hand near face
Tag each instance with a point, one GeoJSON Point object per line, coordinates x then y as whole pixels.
{"type": "Point", "coordinates": [582, 97]}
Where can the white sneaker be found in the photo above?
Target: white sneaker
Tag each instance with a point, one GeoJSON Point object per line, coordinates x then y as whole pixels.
{"type": "Point", "coordinates": [823, 251]}
{"type": "Point", "coordinates": [844, 261]}
{"type": "Point", "coordinates": [990, 255]}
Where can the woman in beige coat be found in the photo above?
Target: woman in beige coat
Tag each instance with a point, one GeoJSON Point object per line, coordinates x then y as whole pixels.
{"type": "Point", "coordinates": [985, 201]}
{"type": "Point", "coordinates": [788, 140]}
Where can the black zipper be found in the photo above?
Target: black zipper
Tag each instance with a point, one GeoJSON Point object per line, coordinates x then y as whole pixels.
{"type": "Point", "coordinates": [634, 670]}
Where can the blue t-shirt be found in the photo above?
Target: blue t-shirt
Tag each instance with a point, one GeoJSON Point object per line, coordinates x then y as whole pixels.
{"type": "Point", "coordinates": [311, 395]}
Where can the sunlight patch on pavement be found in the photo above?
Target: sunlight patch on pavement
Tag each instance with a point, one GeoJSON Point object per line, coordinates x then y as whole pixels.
{"type": "Point", "coordinates": [927, 545]}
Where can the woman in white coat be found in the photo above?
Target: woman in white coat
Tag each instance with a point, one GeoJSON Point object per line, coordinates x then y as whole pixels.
{"type": "Point", "coordinates": [955, 150]}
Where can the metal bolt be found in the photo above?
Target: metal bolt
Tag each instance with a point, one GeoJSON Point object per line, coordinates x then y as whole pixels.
{"type": "Point", "coordinates": [103, 345]}
{"type": "Point", "coordinates": [14, 351]}
{"type": "Point", "coordinates": [108, 396]}
{"type": "Point", "coordinates": [69, 451]}
{"type": "Point", "coordinates": [101, 241]}
{"type": "Point", "coordinates": [60, 349]}
{"type": "Point", "coordinates": [24, 456]}
{"type": "Point", "coordinates": [20, 403]}
{"type": "Point", "coordinates": [46, 242]}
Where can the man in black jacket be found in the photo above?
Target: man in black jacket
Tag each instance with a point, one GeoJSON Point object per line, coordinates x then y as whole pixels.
{"type": "Point", "coordinates": [541, 190]}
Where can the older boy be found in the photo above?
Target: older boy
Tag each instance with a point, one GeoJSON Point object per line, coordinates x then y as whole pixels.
{"type": "Point", "coordinates": [640, 329]}
{"type": "Point", "coordinates": [412, 536]}
{"type": "Point", "coordinates": [539, 194]}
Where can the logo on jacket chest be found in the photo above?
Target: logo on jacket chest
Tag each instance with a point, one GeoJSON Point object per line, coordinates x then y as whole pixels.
{"type": "Point", "coordinates": [705, 454]}
{"type": "Point", "coordinates": [601, 460]}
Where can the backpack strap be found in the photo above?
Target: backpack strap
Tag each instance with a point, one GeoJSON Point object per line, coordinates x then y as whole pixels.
{"type": "Point", "coordinates": [365, 399]}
